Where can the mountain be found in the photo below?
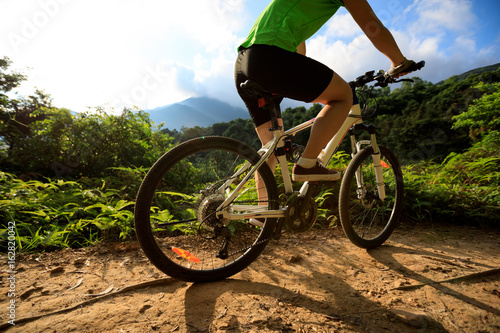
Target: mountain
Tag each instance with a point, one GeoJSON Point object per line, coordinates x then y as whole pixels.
{"type": "Point", "coordinates": [479, 70]}
{"type": "Point", "coordinates": [205, 111]}
{"type": "Point", "coordinates": [196, 111]}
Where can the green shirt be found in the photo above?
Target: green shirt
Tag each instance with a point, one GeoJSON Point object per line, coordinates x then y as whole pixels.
{"type": "Point", "coordinates": [287, 23]}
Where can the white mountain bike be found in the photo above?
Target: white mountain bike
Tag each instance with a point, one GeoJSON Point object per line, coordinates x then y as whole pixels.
{"type": "Point", "coordinates": [197, 211]}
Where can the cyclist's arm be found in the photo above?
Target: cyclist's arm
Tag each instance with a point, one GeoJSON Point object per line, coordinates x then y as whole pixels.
{"type": "Point", "coordinates": [374, 29]}
{"type": "Point", "coordinates": [301, 49]}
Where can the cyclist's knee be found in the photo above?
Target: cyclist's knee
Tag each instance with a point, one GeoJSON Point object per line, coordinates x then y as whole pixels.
{"type": "Point", "coordinates": [337, 91]}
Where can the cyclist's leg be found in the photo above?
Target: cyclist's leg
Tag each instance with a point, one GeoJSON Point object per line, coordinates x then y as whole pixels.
{"type": "Point", "coordinates": [260, 118]}
{"type": "Point", "coordinates": [301, 78]}
{"type": "Point", "coordinates": [337, 98]}
{"type": "Point", "coordinates": [265, 135]}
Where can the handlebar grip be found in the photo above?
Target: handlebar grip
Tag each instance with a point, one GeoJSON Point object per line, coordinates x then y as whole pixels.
{"type": "Point", "coordinates": [417, 66]}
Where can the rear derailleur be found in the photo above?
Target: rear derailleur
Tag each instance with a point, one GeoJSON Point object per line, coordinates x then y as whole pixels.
{"type": "Point", "coordinates": [212, 227]}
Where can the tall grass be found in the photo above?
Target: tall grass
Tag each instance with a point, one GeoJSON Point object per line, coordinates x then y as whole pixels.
{"type": "Point", "coordinates": [465, 188]}
{"type": "Point", "coordinates": [53, 214]}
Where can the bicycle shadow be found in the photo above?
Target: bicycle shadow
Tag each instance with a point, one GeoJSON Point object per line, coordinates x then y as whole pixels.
{"type": "Point", "coordinates": [263, 306]}
{"type": "Point", "coordinates": [386, 256]}
{"type": "Point", "coordinates": [203, 306]}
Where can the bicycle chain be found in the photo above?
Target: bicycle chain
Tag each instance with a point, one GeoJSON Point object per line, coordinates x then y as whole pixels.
{"type": "Point", "coordinates": [261, 241]}
{"type": "Point", "coordinates": [256, 244]}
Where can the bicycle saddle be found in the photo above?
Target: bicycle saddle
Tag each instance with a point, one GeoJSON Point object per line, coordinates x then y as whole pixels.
{"type": "Point", "coordinates": [256, 90]}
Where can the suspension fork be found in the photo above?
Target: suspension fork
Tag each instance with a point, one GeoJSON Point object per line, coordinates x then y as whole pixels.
{"type": "Point", "coordinates": [355, 148]}
{"type": "Point", "coordinates": [376, 157]}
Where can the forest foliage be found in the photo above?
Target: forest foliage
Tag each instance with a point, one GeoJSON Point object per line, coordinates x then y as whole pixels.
{"type": "Point", "coordinates": [69, 180]}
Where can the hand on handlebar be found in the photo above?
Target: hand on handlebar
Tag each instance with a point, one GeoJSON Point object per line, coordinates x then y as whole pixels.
{"type": "Point", "coordinates": [385, 78]}
{"type": "Point", "coordinates": [406, 67]}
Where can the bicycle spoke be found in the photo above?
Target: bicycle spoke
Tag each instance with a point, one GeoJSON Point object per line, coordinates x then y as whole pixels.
{"type": "Point", "coordinates": [367, 220]}
{"type": "Point", "coordinates": [189, 238]}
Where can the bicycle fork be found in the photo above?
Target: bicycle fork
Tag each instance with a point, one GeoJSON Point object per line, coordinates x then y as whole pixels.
{"type": "Point", "coordinates": [376, 156]}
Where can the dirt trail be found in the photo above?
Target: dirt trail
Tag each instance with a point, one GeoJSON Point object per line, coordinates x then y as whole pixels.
{"type": "Point", "coordinates": [424, 279]}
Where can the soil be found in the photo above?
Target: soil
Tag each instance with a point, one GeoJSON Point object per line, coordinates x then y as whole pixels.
{"type": "Point", "coordinates": [424, 279]}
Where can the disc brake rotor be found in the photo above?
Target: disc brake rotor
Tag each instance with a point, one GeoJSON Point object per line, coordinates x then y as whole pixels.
{"type": "Point", "coordinates": [369, 197]}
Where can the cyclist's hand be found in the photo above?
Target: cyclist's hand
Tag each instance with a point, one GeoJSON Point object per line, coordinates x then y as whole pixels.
{"type": "Point", "coordinates": [404, 68]}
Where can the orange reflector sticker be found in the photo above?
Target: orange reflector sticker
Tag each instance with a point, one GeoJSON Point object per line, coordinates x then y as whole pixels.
{"type": "Point", "coordinates": [385, 165]}
{"type": "Point", "coordinates": [186, 255]}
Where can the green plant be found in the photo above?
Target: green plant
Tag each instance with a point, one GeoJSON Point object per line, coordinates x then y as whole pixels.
{"type": "Point", "coordinates": [482, 116]}
{"type": "Point", "coordinates": [464, 188]}
{"type": "Point", "coordinates": [53, 214]}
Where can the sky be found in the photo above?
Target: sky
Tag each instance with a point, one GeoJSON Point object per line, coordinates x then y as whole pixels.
{"type": "Point", "coordinates": [151, 53]}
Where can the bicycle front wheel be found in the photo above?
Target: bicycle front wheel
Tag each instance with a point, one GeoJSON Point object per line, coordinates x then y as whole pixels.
{"type": "Point", "coordinates": [368, 220]}
{"type": "Point", "coordinates": [176, 213]}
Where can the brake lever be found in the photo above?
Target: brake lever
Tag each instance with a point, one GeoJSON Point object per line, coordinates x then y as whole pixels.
{"type": "Point", "coordinates": [383, 81]}
{"type": "Point", "coordinates": [402, 80]}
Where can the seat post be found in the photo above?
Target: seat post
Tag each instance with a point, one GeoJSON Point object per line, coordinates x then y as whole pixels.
{"type": "Point", "coordinates": [265, 101]}
{"type": "Point", "coordinates": [271, 108]}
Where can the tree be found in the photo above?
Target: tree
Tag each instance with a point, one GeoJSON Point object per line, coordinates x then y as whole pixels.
{"type": "Point", "coordinates": [17, 114]}
{"type": "Point", "coordinates": [38, 137]}
{"type": "Point", "coordinates": [8, 81]}
{"type": "Point", "coordinates": [483, 114]}
{"type": "Point", "coordinates": [86, 144]}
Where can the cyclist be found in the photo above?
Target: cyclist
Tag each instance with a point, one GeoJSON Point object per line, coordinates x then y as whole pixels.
{"type": "Point", "coordinates": [273, 55]}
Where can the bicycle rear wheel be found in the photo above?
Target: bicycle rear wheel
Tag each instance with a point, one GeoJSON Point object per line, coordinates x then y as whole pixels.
{"type": "Point", "coordinates": [176, 206]}
{"type": "Point", "coordinates": [367, 220]}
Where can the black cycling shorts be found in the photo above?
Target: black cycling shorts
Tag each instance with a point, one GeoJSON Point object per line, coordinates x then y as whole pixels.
{"type": "Point", "coordinates": [285, 73]}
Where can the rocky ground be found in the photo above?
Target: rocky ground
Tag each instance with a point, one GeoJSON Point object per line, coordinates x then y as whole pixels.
{"type": "Point", "coordinates": [424, 279]}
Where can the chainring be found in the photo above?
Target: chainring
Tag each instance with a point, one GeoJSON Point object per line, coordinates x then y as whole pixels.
{"type": "Point", "coordinates": [297, 222]}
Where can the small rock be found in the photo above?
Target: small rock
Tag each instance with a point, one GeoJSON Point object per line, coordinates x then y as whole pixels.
{"type": "Point", "coordinates": [258, 319]}
{"type": "Point", "coordinates": [232, 324]}
{"type": "Point", "coordinates": [399, 283]}
{"type": "Point", "coordinates": [334, 317]}
{"type": "Point", "coordinates": [354, 272]}
{"type": "Point", "coordinates": [58, 269]}
{"type": "Point", "coordinates": [415, 318]}
{"type": "Point", "coordinates": [395, 300]}
{"type": "Point", "coordinates": [144, 308]}
{"type": "Point", "coordinates": [79, 262]}
{"type": "Point", "coordinates": [412, 302]}
{"type": "Point", "coordinates": [29, 292]}
{"type": "Point", "coordinates": [419, 268]}
{"type": "Point", "coordinates": [265, 306]}
{"type": "Point", "coordinates": [125, 262]}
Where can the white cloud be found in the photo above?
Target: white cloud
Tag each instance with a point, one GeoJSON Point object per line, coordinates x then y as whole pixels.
{"type": "Point", "coordinates": [349, 60]}
{"type": "Point", "coordinates": [441, 32]}
{"type": "Point", "coordinates": [451, 15]}
{"type": "Point", "coordinates": [88, 53]}
{"type": "Point", "coordinates": [154, 52]}
{"type": "Point", "coordinates": [342, 25]}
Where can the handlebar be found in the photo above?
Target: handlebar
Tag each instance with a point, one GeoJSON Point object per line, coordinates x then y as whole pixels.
{"type": "Point", "coordinates": [381, 78]}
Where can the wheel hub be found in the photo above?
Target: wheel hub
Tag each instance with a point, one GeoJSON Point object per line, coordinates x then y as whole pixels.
{"type": "Point", "coordinates": [208, 208]}
{"type": "Point", "coordinates": [368, 197]}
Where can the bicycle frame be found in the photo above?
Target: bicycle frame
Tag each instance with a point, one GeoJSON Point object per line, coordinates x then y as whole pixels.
{"type": "Point", "coordinates": [254, 211]}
